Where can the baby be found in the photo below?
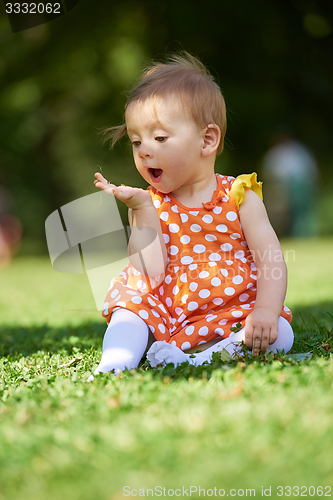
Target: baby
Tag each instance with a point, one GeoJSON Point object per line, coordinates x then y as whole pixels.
{"type": "Point", "coordinates": [215, 261]}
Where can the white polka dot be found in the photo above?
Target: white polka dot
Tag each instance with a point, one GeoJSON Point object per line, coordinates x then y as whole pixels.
{"type": "Point", "coordinates": [152, 329]}
{"type": "Point", "coordinates": [235, 236]}
{"type": "Point", "coordinates": [237, 314]}
{"type": "Point", "coordinates": [204, 307]}
{"type": "Point", "coordinates": [164, 216]}
{"type": "Point", "coordinates": [178, 310]}
{"type": "Point", "coordinates": [193, 286]}
{"type": "Point", "coordinates": [181, 318]}
{"type": "Point", "coordinates": [253, 266]}
{"type": "Point", "coordinates": [168, 279]}
{"type": "Point", "coordinates": [173, 250]}
{"type": "Point", "coordinates": [229, 262]}
{"type": "Point", "coordinates": [253, 276]}
{"type": "Point", "coordinates": [183, 278]}
{"type": "Point", "coordinates": [141, 285]}
{"type": "Point", "coordinates": [203, 274]}
{"type": "Point", "coordinates": [237, 280]}
{"type": "Point", "coordinates": [184, 217]}
{"type": "Point", "coordinates": [184, 298]}
{"type": "Point", "coordinates": [223, 322]}
{"type": "Point", "coordinates": [161, 306]}
{"type": "Point", "coordinates": [173, 228]}
{"type": "Point", "coordinates": [166, 238]}
{"type": "Point", "coordinates": [168, 302]}
{"type": "Point", "coordinates": [243, 297]}
{"type": "Point", "coordinates": [246, 306]}
{"type": "Point", "coordinates": [212, 264]}
{"type": "Point", "coordinates": [210, 237]}
{"type": "Point", "coordinates": [185, 346]}
{"type": "Point", "coordinates": [192, 305]}
{"type": "Point", "coordinates": [218, 301]}
{"type": "Point", "coordinates": [216, 281]}
{"type": "Point", "coordinates": [240, 254]}
{"type": "Point", "coordinates": [174, 208]}
{"type": "Point", "coordinates": [155, 313]}
{"type": "Point", "coordinates": [175, 290]}
{"type": "Point", "coordinates": [157, 203]}
{"type": "Point", "coordinates": [222, 228]}
{"type": "Point", "coordinates": [189, 330]}
{"type": "Point", "coordinates": [186, 260]}
{"type": "Point", "coordinates": [219, 331]}
{"type": "Point", "coordinates": [131, 292]}
{"type": "Point", "coordinates": [114, 293]}
{"type": "Point", "coordinates": [210, 317]}
{"type": "Point", "coordinates": [161, 290]}
{"type": "Point", "coordinates": [185, 239]}
{"type": "Point", "coordinates": [176, 269]}
{"type": "Point", "coordinates": [121, 304]}
{"type": "Point", "coordinates": [199, 248]}
{"type": "Point", "coordinates": [203, 331]}
{"type": "Point", "coordinates": [192, 266]}
{"type": "Point", "coordinates": [217, 210]}
{"type": "Point", "coordinates": [214, 257]}
{"type": "Point", "coordinates": [224, 272]}
{"type": "Point", "coordinates": [203, 294]}
{"type": "Point", "coordinates": [195, 228]}
{"type": "Point", "coordinates": [136, 300]}
{"type": "Point", "coordinates": [193, 212]}
{"type": "Point", "coordinates": [231, 216]}
{"type": "Point", "coordinates": [226, 247]}
{"type": "Point", "coordinates": [229, 290]}
{"type": "Point", "coordinates": [207, 218]}
{"type": "Point", "coordinates": [161, 328]}
{"type": "Point", "coordinates": [143, 314]}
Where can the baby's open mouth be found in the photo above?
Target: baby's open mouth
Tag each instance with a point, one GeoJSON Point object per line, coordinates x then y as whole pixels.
{"type": "Point", "coordinates": [155, 174]}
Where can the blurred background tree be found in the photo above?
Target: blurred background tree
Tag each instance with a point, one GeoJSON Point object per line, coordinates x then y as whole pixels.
{"type": "Point", "coordinates": [63, 81]}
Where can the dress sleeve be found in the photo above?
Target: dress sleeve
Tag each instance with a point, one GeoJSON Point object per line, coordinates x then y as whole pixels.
{"type": "Point", "coordinates": [243, 181]}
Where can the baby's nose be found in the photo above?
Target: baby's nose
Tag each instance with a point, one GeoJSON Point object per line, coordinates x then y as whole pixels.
{"type": "Point", "coordinates": [145, 151]}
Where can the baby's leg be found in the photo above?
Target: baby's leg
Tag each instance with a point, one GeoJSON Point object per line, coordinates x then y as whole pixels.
{"type": "Point", "coordinates": [124, 342]}
{"type": "Point", "coordinates": [161, 352]}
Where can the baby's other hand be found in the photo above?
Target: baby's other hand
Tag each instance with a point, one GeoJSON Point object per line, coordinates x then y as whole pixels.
{"type": "Point", "coordinates": [134, 198]}
{"type": "Point", "coordinates": [261, 329]}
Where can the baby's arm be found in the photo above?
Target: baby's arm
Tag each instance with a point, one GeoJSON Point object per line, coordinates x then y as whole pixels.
{"type": "Point", "coordinates": [261, 325]}
{"type": "Point", "coordinates": [141, 213]}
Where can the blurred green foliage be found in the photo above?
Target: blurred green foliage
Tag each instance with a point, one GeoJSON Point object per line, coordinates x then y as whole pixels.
{"type": "Point", "coordinates": [63, 81]}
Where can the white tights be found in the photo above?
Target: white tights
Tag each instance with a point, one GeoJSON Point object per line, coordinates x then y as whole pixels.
{"type": "Point", "coordinates": [127, 336]}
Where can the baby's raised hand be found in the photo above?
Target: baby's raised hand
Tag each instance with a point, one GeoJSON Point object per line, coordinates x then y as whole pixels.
{"type": "Point", "coordinates": [134, 198]}
{"type": "Point", "coordinates": [261, 329]}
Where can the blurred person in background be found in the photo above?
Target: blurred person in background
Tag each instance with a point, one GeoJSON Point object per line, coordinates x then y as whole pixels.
{"type": "Point", "coordinates": [10, 229]}
{"type": "Point", "coordinates": [291, 178]}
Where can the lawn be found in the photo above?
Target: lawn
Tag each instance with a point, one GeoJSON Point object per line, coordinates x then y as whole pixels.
{"type": "Point", "coordinates": [247, 427]}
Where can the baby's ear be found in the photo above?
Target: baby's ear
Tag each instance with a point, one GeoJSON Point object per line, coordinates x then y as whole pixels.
{"type": "Point", "coordinates": [212, 136]}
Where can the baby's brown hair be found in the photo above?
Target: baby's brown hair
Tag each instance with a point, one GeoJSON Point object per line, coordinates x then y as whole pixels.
{"type": "Point", "coordinates": [187, 79]}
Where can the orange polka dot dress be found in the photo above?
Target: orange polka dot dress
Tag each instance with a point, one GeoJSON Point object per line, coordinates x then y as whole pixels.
{"type": "Point", "coordinates": [209, 284]}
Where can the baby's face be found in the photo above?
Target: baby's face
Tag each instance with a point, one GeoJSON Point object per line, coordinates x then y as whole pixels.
{"type": "Point", "coordinates": [166, 143]}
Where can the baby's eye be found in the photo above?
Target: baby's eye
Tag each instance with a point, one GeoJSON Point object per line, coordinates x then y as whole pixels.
{"type": "Point", "coordinates": [136, 144]}
{"type": "Point", "coordinates": [160, 139]}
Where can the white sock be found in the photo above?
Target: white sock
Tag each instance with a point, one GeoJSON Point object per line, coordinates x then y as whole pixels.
{"type": "Point", "coordinates": [162, 352]}
{"type": "Point", "coordinates": [124, 343]}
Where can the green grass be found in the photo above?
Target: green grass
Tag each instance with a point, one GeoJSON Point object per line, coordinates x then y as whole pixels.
{"type": "Point", "coordinates": [245, 424]}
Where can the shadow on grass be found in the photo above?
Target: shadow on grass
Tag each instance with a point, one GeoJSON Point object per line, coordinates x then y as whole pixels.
{"type": "Point", "coordinates": [18, 341]}
{"type": "Point", "coordinates": [311, 325]}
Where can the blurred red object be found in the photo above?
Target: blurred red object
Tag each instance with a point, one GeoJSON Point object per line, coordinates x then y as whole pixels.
{"type": "Point", "coordinates": [10, 237]}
